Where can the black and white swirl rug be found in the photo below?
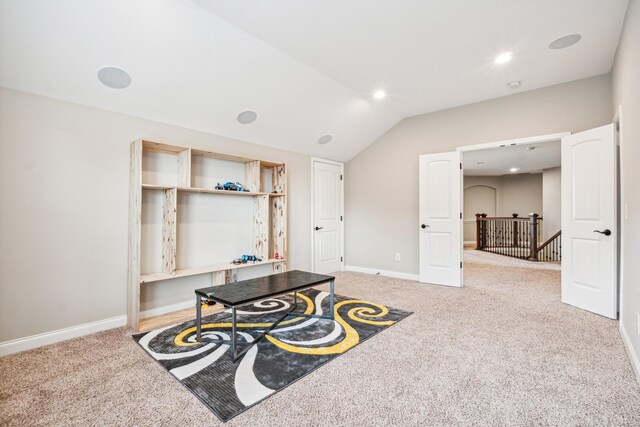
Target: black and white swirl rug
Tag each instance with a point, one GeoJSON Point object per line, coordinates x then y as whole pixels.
{"type": "Point", "coordinates": [296, 347]}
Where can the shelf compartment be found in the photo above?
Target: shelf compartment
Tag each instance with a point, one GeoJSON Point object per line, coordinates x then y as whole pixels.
{"type": "Point", "coordinates": [273, 178]}
{"type": "Point", "coordinates": [165, 164]}
{"type": "Point", "coordinates": [154, 277]}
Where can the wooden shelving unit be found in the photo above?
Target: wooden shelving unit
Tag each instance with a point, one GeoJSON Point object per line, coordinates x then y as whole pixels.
{"type": "Point", "coordinates": [269, 213]}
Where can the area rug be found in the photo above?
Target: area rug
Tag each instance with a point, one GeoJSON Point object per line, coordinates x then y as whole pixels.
{"type": "Point", "coordinates": [295, 348]}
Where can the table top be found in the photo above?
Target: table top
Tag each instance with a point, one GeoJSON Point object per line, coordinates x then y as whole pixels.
{"type": "Point", "coordinates": [246, 291]}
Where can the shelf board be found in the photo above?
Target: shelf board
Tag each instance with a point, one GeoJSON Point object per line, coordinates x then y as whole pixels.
{"type": "Point", "coordinates": [154, 277]}
{"type": "Point", "coordinates": [158, 147]}
{"type": "Point", "coordinates": [205, 190]}
{"type": "Point", "coordinates": [225, 192]}
{"type": "Point", "coordinates": [277, 194]}
{"type": "Point", "coordinates": [156, 187]}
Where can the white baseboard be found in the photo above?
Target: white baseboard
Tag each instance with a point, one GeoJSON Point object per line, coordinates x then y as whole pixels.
{"type": "Point", "coordinates": [39, 340]}
{"type": "Point", "coordinates": [387, 273]}
{"type": "Point", "coordinates": [158, 311]}
{"type": "Point", "coordinates": [633, 357]}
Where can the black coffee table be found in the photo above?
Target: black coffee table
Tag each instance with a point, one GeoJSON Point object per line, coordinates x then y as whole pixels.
{"type": "Point", "coordinates": [254, 290]}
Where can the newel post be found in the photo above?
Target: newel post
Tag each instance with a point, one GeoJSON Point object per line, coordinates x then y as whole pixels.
{"type": "Point", "coordinates": [478, 231]}
{"type": "Point", "coordinates": [533, 236]}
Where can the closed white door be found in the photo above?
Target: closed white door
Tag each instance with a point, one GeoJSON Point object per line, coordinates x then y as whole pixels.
{"type": "Point", "coordinates": [327, 216]}
{"type": "Point", "coordinates": [440, 219]}
{"type": "Point", "coordinates": [589, 226]}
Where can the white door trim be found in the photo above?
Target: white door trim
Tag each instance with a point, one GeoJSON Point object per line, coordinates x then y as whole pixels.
{"type": "Point", "coordinates": [313, 197]}
{"type": "Point", "coordinates": [518, 141]}
{"type": "Point", "coordinates": [617, 119]}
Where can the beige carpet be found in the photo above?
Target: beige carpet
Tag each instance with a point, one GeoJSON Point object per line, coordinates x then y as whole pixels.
{"type": "Point", "coordinates": [501, 351]}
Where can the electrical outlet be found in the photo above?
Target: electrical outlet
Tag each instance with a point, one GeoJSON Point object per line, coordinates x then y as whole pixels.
{"type": "Point", "coordinates": [397, 256]}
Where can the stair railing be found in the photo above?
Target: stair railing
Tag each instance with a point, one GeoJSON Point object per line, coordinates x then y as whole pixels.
{"type": "Point", "coordinates": [516, 237]}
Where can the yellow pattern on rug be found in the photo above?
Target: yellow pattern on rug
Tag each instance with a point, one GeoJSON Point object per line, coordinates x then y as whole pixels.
{"type": "Point", "coordinates": [351, 335]}
{"type": "Point", "coordinates": [180, 341]}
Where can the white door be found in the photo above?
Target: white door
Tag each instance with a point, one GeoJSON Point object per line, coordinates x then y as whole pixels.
{"type": "Point", "coordinates": [440, 219]}
{"type": "Point", "coordinates": [589, 226]}
{"type": "Point", "coordinates": [327, 216]}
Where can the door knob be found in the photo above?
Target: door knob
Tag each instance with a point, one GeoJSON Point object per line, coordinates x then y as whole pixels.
{"type": "Point", "coordinates": [319, 228]}
{"type": "Point", "coordinates": [606, 232]}
{"type": "Point", "coordinates": [424, 226]}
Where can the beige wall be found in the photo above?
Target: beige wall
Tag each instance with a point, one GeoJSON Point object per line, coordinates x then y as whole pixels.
{"type": "Point", "coordinates": [481, 195]}
{"type": "Point", "coordinates": [382, 181]}
{"type": "Point", "coordinates": [551, 201]}
{"type": "Point", "coordinates": [518, 193]}
{"type": "Point", "coordinates": [64, 184]}
{"type": "Point", "coordinates": [626, 92]}
{"type": "Point", "coordinates": [521, 194]}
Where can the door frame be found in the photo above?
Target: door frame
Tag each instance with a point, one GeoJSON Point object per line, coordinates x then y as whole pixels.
{"type": "Point", "coordinates": [315, 160]}
{"type": "Point", "coordinates": [622, 207]}
{"type": "Point", "coordinates": [498, 144]}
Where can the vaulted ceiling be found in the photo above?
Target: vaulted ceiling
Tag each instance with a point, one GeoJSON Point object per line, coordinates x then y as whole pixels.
{"type": "Point", "coordinates": [306, 67]}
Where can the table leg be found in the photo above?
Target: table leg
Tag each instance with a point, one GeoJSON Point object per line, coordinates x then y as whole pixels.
{"type": "Point", "coordinates": [198, 318]}
{"type": "Point", "coordinates": [233, 332]}
{"type": "Point", "coordinates": [331, 300]}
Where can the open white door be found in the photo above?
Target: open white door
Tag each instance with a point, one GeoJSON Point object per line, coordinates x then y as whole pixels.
{"type": "Point", "coordinates": [589, 226]}
{"type": "Point", "coordinates": [440, 219]}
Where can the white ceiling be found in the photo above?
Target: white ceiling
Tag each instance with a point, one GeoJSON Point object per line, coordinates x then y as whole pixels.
{"type": "Point", "coordinates": [530, 158]}
{"type": "Point", "coordinates": [308, 68]}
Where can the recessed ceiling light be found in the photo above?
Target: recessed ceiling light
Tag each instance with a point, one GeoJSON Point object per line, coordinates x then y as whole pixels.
{"type": "Point", "coordinates": [514, 85]}
{"type": "Point", "coordinates": [247, 117]}
{"type": "Point", "coordinates": [379, 94]}
{"type": "Point", "coordinates": [565, 41]}
{"type": "Point", "coordinates": [514, 169]}
{"type": "Point", "coordinates": [324, 139]}
{"type": "Point", "coordinates": [114, 77]}
{"type": "Point", "coordinates": [503, 58]}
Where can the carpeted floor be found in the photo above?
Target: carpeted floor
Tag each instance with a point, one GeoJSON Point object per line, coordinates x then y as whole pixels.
{"type": "Point", "coordinates": [501, 351]}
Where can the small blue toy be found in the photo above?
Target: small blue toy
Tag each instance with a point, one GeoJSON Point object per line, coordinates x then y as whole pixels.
{"type": "Point", "coordinates": [233, 186]}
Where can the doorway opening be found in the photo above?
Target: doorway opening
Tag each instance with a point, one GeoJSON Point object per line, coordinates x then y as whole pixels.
{"type": "Point", "coordinates": [589, 217]}
{"type": "Point", "coordinates": [512, 200]}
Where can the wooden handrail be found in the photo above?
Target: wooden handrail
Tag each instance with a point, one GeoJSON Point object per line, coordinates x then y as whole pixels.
{"type": "Point", "coordinates": [549, 240]}
{"type": "Point", "coordinates": [518, 218]}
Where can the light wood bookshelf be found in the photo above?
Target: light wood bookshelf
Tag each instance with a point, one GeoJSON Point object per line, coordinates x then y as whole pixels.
{"type": "Point", "coordinates": [269, 220]}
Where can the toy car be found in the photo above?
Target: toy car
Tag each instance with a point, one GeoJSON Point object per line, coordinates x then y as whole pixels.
{"type": "Point", "coordinates": [230, 186]}
{"type": "Point", "coordinates": [233, 186]}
